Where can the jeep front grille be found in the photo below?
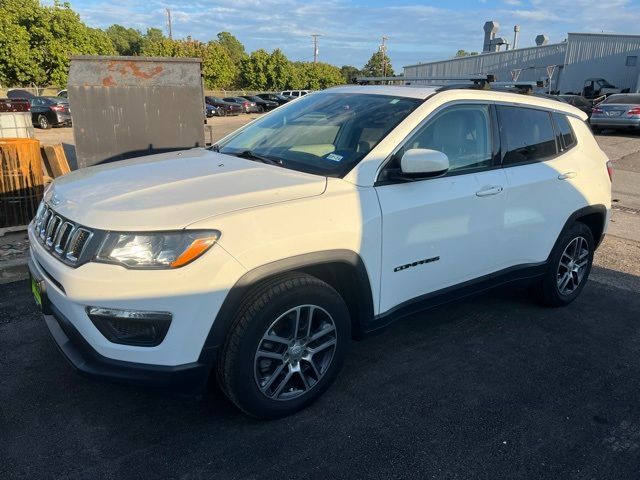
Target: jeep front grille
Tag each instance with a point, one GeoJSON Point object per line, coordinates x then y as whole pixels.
{"type": "Point", "coordinates": [62, 237]}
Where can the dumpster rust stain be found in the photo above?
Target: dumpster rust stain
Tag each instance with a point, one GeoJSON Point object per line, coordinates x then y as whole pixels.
{"type": "Point", "coordinates": [108, 81]}
{"type": "Point", "coordinates": [129, 67]}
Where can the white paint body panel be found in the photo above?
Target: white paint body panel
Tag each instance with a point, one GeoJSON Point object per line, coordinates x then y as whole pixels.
{"type": "Point", "coordinates": [267, 213]}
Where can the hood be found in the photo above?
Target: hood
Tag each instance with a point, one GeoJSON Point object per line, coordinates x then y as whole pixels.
{"type": "Point", "coordinates": [172, 190]}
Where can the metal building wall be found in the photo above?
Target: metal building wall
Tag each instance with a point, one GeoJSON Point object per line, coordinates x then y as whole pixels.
{"type": "Point", "coordinates": [533, 61]}
{"type": "Point", "coordinates": [601, 55]}
{"type": "Point", "coordinates": [126, 107]}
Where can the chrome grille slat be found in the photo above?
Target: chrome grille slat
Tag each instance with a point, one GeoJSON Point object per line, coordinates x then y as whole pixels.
{"type": "Point", "coordinates": [63, 238]}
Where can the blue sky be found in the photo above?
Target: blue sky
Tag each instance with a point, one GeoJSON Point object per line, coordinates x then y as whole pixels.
{"type": "Point", "coordinates": [351, 29]}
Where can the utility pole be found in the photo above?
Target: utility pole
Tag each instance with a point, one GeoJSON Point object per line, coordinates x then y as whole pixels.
{"type": "Point", "coordinates": [315, 46]}
{"type": "Point", "coordinates": [383, 49]}
{"type": "Point", "coordinates": [169, 23]}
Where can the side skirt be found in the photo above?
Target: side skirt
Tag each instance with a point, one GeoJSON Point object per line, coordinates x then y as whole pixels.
{"type": "Point", "coordinates": [456, 292]}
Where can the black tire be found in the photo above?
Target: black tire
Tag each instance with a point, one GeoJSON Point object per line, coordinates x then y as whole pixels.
{"type": "Point", "coordinates": [261, 309]}
{"type": "Point", "coordinates": [260, 109]}
{"type": "Point", "coordinates": [549, 288]}
{"type": "Point", "coordinates": [43, 122]}
{"type": "Point", "coordinates": [222, 112]}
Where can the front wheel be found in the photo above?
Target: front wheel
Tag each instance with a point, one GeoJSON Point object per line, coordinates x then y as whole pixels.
{"type": "Point", "coordinates": [569, 267]}
{"type": "Point", "coordinates": [286, 346]}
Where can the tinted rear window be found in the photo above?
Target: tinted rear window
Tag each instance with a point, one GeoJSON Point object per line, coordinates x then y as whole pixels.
{"type": "Point", "coordinates": [622, 99]}
{"type": "Point", "coordinates": [527, 134]}
{"type": "Point", "coordinates": [565, 132]}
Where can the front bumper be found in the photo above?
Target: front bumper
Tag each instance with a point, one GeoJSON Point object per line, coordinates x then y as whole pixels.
{"type": "Point", "coordinates": [78, 352]}
{"type": "Point", "coordinates": [192, 294]}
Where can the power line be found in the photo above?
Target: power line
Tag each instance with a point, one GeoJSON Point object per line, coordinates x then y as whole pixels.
{"type": "Point", "coordinates": [315, 46]}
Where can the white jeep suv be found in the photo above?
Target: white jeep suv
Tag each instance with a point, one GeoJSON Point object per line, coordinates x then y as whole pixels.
{"type": "Point", "coordinates": [261, 258]}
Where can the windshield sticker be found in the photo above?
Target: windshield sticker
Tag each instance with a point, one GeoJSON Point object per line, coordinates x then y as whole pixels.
{"type": "Point", "coordinates": [334, 157]}
{"type": "Point", "coordinates": [394, 101]}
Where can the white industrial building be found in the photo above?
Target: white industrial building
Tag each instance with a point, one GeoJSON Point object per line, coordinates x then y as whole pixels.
{"type": "Point", "coordinates": [569, 63]}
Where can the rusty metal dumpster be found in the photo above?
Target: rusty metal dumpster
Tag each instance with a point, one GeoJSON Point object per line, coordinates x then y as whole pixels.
{"type": "Point", "coordinates": [124, 107]}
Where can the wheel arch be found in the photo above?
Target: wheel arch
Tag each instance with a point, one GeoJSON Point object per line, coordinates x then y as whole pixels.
{"type": "Point", "coordinates": [593, 216]}
{"type": "Point", "coordinates": [344, 270]}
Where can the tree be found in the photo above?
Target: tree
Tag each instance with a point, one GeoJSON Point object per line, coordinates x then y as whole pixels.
{"type": "Point", "coordinates": [42, 38]}
{"type": "Point", "coordinates": [218, 68]}
{"type": "Point", "coordinates": [316, 76]}
{"type": "Point", "coordinates": [233, 46]}
{"type": "Point", "coordinates": [379, 65]}
{"type": "Point", "coordinates": [464, 53]}
{"type": "Point", "coordinates": [126, 41]}
{"type": "Point", "coordinates": [349, 72]}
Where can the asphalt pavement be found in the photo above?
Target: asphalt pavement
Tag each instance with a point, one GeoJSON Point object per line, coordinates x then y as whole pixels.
{"type": "Point", "coordinates": [492, 387]}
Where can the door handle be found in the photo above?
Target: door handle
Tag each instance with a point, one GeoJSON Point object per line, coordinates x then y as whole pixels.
{"type": "Point", "coordinates": [488, 191]}
{"type": "Point", "coordinates": [567, 175]}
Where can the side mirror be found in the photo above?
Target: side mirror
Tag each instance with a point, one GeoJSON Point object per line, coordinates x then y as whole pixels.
{"type": "Point", "coordinates": [422, 162]}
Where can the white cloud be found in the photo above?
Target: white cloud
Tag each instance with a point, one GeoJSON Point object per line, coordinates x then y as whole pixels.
{"type": "Point", "coordinates": [351, 29]}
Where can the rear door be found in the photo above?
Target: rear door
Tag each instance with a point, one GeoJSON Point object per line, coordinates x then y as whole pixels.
{"type": "Point", "coordinates": [443, 231]}
{"type": "Point", "coordinates": [541, 177]}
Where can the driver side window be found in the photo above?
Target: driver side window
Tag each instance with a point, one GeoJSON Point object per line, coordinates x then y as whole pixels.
{"type": "Point", "coordinates": [462, 132]}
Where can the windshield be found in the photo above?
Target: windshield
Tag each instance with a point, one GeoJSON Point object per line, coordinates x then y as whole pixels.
{"type": "Point", "coordinates": [324, 133]}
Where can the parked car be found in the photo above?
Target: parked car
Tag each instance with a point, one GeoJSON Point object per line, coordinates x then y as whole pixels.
{"type": "Point", "coordinates": [260, 258]}
{"type": "Point", "coordinates": [247, 105]}
{"type": "Point", "coordinates": [263, 105]}
{"type": "Point", "coordinates": [17, 93]}
{"type": "Point", "coordinates": [274, 97]}
{"type": "Point", "coordinates": [620, 111]}
{"type": "Point", "coordinates": [210, 110]}
{"type": "Point", "coordinates": [579, 102]}
{"type": "Point", "coordinates": [47, 112]}
{"type": "Point", "coordinates": [223, 108]}
{"type": "Point", "coordinates": [295, 93]}
{"type": "Point", "coordinates": [14, 105]}
{"type": "Point", "coordinates": [598, 87]}
{"type": "Point", "coordinates": [63, 94]}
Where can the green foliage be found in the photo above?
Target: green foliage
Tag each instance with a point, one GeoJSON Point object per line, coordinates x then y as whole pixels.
{"type": "Point", "coordinates": [36, 42]}
{"type": "Point", "coordinates": [379, 65]}
{"type": "Point", "coordinates": [126, 41]}
{"type": "Point", "coordinates": [233, 46]}
{"type": "Point", "coordinates": [349, 72]}
{"type": "Point", "coordinates": [464, 53]}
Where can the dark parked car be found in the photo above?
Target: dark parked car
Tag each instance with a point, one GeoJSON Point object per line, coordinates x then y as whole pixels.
{"type": "Point", "coordinates": [263, 105]}
{"type": "Point", "coordinates": [17, 93]}
{"type": "Point", "coordinates": [47, 112]}
{"type": "Point", "coordinates": [579, 102]}
{"type": "Point", "coordinates": [247, 105]}
{"type": "Point", "coordinates": [274, 97]}
{"type": "Point", "coordinates": [223, 108]}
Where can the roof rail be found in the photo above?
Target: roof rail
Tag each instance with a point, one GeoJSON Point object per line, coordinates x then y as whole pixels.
{"type": "Point", "coordinates": [482, 81]}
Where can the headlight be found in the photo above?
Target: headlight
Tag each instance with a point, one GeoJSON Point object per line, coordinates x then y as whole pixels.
{"type": "Point", "coordinates": [156, 250]}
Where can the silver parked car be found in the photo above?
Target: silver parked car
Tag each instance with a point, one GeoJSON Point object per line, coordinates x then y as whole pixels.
{"type": "Point", "coordinates": [619, 111]}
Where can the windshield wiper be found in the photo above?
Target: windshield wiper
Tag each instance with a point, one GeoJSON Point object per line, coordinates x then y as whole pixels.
{"type": "Point", "coordinates": [249, 155]}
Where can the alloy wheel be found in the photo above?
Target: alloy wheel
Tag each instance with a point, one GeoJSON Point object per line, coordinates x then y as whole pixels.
{"type": "Point", "coordinates": [573, 265]}
{"type": "Point", "coordinates": [295, 352]}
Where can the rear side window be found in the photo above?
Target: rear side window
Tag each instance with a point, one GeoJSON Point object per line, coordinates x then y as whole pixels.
{"type": "Point", "coordinates": [527, 135]}
{"type": "Point", "coordinates": [565, 133]}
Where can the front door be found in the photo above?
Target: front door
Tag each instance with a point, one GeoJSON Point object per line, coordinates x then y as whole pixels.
{"type": "Point", "coordinates": [439, 232]}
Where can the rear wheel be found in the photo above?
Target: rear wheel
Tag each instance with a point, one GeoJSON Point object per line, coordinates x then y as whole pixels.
{"type": "Point", "coordinates": [286, 346]}
{"type": "Point", "coordinates": [569, 267]}
{"type": "Point", "coordinates": [43, 122]}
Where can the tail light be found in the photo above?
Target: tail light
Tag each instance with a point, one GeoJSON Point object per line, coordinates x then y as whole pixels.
{"type": "Point", "coordinates": [596, 110]}
{"type": "Point", "coordinates": [634, 111]}
{"type": "Point", "coordinates": [610, 170]}
{"type": "Point", "coordinates": [57, 108]}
